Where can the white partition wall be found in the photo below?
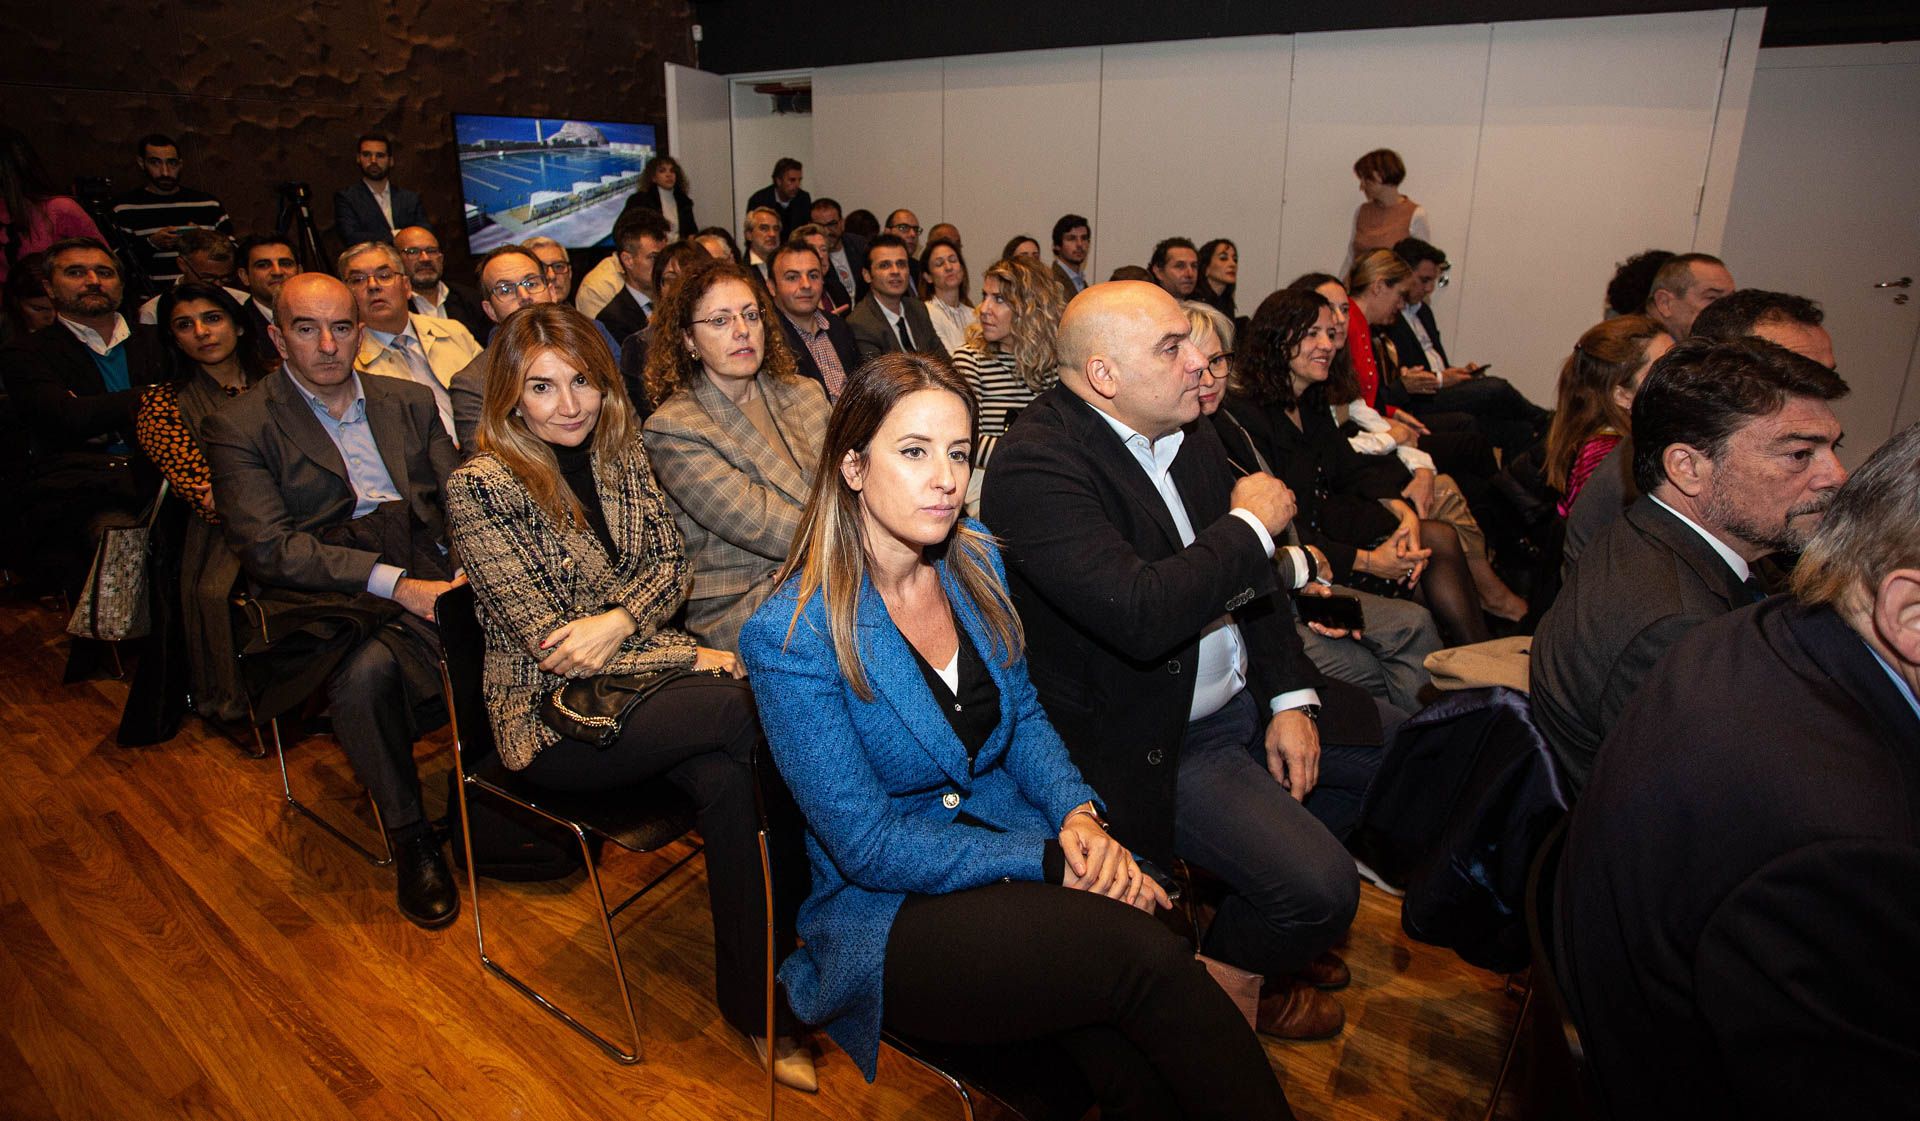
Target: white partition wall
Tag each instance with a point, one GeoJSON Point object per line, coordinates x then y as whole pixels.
{"type": "Point", "coordinates": [1545, 152]}
{"type": "Point", "coordinates": [700, 136]}
{"type": "Point", "coordinates": [1169, 167]}
{"type": "Point", "coordinates": [760, 138]}
{"type": "Point", "coordinates": [1593, 147]}
{"type": "Point", "coordinates": [1022, 146]}
{"type": "Point", "coordinates": [877, 137]}
{"type": "Point", "coordinates": [1417, 91]}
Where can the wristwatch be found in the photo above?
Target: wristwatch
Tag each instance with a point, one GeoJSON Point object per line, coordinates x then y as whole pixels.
{"type": "Point", "coordinates": [1312, 711]}
{"type": "Point", "coordinates": [1092, 811]}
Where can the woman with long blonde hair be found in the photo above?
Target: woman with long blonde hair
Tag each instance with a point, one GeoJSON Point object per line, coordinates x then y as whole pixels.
{"type": "Point", "coordinates": [965, 889]}
{"type": "Point", "coordinates": [577, 568]}
{"type": "Point", "coordinates": [1008, 357]}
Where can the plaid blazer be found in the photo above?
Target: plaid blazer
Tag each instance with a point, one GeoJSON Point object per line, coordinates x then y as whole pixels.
{"type": "Point", "coordinates": [737, 499]}
{"type": "Point", "coordinates": [531, 574]}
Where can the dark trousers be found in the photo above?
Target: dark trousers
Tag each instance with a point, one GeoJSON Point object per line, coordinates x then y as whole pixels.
{"type": "Point", "coordinates": [700, 733]}
{"type": "Point", "coordinates": [1015, 962]}
{"type": "Point", "coordinates": [1504, 415]}
{"type": "Point", "coordinates": [1294, 887]}
{"type": "Point", "coordinates": [383, 696]}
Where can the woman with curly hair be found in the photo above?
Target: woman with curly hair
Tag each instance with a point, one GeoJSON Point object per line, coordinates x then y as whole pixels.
{"type": "Point", "coordinates": [1595, 410]}
{"type": "Point", "coordinates": [1008, 356]}
{"type": "Point", "coordinates": [1351, 506]}
{"type": "Point", "coordinates": [664, 187]}
{"type": "Point", "coordinates": [734, 437]}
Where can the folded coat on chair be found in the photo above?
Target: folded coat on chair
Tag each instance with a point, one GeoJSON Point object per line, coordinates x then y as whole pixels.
{"type": "Point", "coordinates": [1464, 797]}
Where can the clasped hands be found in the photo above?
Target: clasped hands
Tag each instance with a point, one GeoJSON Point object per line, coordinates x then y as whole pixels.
{"type": "Point", "coordinates": [1099, 864]}
{"type": "Point", "coordinates": [583, 647]}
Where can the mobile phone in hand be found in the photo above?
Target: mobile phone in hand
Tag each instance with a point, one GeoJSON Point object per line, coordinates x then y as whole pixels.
{"type": "Point", "coordinates": [1340, 612]}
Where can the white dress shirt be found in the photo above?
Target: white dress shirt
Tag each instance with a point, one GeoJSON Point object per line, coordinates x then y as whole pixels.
{"type": "Point", "coordinates": [1734, 560]}
{"type": "Point", "coordinates": [1222, 671]}
{"type": "Point", "coordinates": [91, 339]}
{"type": "Point", "coordinates": [1411, 313]}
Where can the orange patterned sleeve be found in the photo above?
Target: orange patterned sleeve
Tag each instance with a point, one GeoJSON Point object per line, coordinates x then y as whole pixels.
{"type": "Point", "coordinates": [163, 434]}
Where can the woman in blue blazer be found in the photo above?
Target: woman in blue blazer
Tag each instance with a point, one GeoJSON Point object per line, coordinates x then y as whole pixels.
{"type": "Point", "coordinates": [945, 821]}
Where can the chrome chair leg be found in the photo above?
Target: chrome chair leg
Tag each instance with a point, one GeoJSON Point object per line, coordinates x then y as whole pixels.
{"type": "Point", "coordinates": [380, 860]}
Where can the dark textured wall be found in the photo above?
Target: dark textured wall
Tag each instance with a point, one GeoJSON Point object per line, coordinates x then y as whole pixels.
{"type": "Point", "coordinates": [262, 91]}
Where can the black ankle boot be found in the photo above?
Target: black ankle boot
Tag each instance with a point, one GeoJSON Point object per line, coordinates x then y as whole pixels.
{"type": "Point", "coordinates": [426, 892]}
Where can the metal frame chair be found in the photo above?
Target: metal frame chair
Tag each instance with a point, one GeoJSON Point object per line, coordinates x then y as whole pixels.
{"type": "Point", "coordinates": [640, 819]}
{"type": "Point", "coordinates": [256, 622]}
{"type": "Point", "coordinates": [1556, 1039]}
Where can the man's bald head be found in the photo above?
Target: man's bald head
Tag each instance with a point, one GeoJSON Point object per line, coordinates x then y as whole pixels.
{"type": "Point", "coordinates": [1125, 348]}
{"type": "Point", "coordinates": [316, 325]}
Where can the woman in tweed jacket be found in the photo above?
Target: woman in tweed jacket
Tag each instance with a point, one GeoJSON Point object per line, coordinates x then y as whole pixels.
{"type": "Point", "coordinates": [577, 566]}
{"type": "Point", "coordinates": [734, 435]}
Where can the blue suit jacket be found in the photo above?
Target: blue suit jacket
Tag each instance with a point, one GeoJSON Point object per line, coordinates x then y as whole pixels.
{"type": "Point", "coordinates": [874, 777]}
{"type": "Point", "coordinates": [357, 217]}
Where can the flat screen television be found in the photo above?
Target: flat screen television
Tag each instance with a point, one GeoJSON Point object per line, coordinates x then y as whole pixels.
{"type": "Point", "coordinates": [522, 177]}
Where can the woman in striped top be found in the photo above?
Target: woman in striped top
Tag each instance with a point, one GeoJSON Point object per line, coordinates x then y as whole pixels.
{"type": "Point", "coordinates": [1597, 386]}
{"type": "Point", "coordinates": [1008, 356]}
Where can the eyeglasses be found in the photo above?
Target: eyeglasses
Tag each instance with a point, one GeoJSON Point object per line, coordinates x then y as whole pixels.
{"type": "Point", "coordinates": [905, 228]}
{"type": "Point", "coordinates": [422, 251]}
{"type": "Point", "coordinates": [360, 279]}
{"type": "Point", "coordinates": [555, 268]}
{"type": "Point", "coordinates": [526, 284]}
{"type": "Point", "coordinates": [725, 319]}
{"type": "Point", "coordinates": [1218, 364]}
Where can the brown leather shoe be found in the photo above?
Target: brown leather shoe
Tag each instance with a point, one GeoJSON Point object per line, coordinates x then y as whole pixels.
{"type": "Point", "coordinates": [1294, 1009]}
{"type": "Point", "coordinates": [1326, 973]}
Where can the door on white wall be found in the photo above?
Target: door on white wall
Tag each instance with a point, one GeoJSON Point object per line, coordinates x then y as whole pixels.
{"type": "Point", "coordinates": [700, 136]}
{"type": "Point", "coordinates": [1826, 205]}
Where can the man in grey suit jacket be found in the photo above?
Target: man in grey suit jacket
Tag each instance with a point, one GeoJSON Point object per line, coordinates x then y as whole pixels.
{"type": "Point", "coordinates": [372, 209]}
{"type": "Point", "coordinates": [891, 317]}
{"type": "Point", "coordinates": [1734, 454]}
{"type": "Point", "coordinates": [330, 487]}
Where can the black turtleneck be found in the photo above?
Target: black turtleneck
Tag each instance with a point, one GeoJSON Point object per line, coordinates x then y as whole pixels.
{"type": "Point", "coordinates": [576, 467]}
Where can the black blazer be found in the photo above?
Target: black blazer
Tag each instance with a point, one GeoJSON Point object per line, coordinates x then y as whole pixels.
{"type": "Point", "coordinates": [1407, 344]}
{"type": "Point", "coordinates": [463, 307]}
{"type": "Point", "coordinates": [798, 211]}
{"type": "Point", "coordinates": [623, 315]}
{"type": "Point", "coordinates": [357, 218]}
{"type": "Point", "coordinates": [1114, 606]}
{"type": "Point", "coordinates": [258, 337]}
{"type": "Point", "coordinates": [1739, 900]}
{"type": "Point", "coordinates": [838, 333]}
{"type": "Point", "coordinates": [649, 198]}
{"type": "Point", "coordinates": [1338, 490]}
{"type": "Point", "coordinates": [62, 401]}
{"type": "Point", "coordinates": [1644, 582]}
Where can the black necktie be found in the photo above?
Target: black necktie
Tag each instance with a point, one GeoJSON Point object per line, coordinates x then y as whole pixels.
{"type": "Point", "coordinates": [1754, 591]}
{"type": "Point", "coordinates": [906, 340]}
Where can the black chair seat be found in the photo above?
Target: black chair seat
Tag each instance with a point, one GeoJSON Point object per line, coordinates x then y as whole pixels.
{"type": "Point", "coordinates": [637, 818]}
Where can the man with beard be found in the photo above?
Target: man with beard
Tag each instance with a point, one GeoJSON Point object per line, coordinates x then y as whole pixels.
{"type": "Point", "coordinates": [372, 209]}
{"type": "Point", "coordinates": [75, 386]}
{"type": "Point", "coordinates": [153, 217]}
{"type": "Point", "coordinates": [1734, 457]}
{"type": "Point", "coordinates": [433, 293]}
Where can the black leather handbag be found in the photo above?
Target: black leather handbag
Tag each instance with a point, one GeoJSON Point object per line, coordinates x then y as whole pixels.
{"type": "Point", "coordinates": [594, 709]}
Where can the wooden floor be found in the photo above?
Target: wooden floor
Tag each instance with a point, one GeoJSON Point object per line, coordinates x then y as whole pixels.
{"type": "Point", "coordinates": [175, 943]}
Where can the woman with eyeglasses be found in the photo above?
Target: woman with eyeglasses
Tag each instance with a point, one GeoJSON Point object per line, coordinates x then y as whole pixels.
{"type": "Point", "coordinates": [577, 570]}
{"type": "Point", "coordinates": [1008, 357]}
{"type": "Point", "coordinates": [734, 436]}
